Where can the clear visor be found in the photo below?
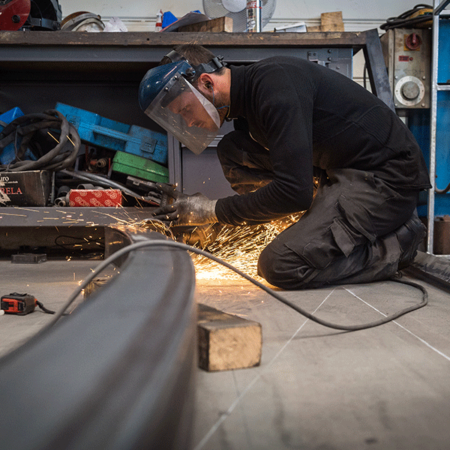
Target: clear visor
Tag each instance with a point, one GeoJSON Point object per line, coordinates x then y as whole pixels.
{"type": "Point", "coordinates": [183, 111]}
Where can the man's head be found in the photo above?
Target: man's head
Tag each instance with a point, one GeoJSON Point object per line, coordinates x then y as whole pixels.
{"type": "Point", "coordinates": [210, 72]}
{"type": "Point", "coordinates": [188, 94]}
{"type": "Point", "coordinates": [192, 111]}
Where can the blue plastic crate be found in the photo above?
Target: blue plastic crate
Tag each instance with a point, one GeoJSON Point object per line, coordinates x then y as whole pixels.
{"type": "Point", "coordinates": [107, 133]}
{"type": "Point", "coordinates": [8, 154]}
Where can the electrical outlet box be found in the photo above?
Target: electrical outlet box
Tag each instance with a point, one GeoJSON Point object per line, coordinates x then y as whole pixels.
{"type": "Point", "coordinates": [407, 55]}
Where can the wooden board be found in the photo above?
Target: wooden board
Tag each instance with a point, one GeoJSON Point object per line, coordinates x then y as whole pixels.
{"type": "Point", "coordinates": [331, 21]}
{"type": "Point", "coordinates": [219, 25]}
{"type": "Point", "coordinates": [226, 341]}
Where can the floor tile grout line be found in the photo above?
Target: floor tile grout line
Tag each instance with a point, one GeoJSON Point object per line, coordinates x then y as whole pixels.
{"type": "Point", "coordinates": [224, 416]}
{"type": "Point", "coordinates": [401, 326]}
{"type": "Point", "coordinates": [244, 419]}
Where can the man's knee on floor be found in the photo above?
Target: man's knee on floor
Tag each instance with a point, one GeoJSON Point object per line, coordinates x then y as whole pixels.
{"type": "Point", "coordinates": [283, 268]}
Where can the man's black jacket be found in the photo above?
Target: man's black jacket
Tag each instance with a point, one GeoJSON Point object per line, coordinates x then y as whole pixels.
{"type": "Point", "coordinates": [307, 115]}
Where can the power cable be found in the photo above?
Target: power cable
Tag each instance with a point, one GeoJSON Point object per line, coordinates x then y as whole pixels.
{"type": "Point", "coordinates": [46, 310]}
{"type": "Point", "coordinates": [25, 127]}
{"type": "Point", "coordinates": [270, 291]}
{"type": "Point", "coordinates": [442, 191]}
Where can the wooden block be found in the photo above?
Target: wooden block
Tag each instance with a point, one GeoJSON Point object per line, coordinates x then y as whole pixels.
{"type": "Point", "coordinates": [227, 342]}
{"type": "Point", "coordinates": [94, 285]}
{"type": "Point", "coordinates": [331, 21]}
{"type": "Point", "coordinates": [221, 24]}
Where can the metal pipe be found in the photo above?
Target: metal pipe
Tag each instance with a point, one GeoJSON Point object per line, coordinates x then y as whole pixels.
{"type": "Point", "coordinates": [118, 373]}
{"type": "Point", "coordinates": [433, 121]}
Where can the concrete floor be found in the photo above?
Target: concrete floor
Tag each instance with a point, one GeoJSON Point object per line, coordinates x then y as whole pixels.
{"type": "Point", "coordinates": [316, 388]}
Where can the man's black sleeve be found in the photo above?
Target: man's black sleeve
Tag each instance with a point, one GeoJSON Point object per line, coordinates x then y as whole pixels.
{"type": "Point", "coordinates": [280, 109]}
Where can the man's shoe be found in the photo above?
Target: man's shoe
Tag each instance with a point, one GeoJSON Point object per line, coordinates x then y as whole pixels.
{"type": "Point", "coordinates": [410, 236]}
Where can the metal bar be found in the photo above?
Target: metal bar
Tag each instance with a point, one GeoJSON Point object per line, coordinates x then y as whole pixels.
{"type": "Point", "coordinates": [119, 372]}
{"type": "Point", "coordinates": [433, 269]}
{"type": "Point", "coordinates": [174, 161]}
{"type": "Point", "coordinates": [438, 9]}
{"type": "Point", "coordinates": [433, 122]}
{"type": "Point", "coordinates": [63, 48]}
{"type": "Point", "coordinates": [443, 87]}
{"type": "Point", "coordinates": [378, 75]}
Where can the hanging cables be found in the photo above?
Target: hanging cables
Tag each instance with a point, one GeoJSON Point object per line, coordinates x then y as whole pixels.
{"type": "Point", "coordinates": [23, 130]}
{"type": "Point", "coordinates": [417, 16]}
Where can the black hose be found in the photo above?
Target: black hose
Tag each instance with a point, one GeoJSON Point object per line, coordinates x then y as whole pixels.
{"type": "Point", "coordinates": [48, 311]}
{"type": "Point", "coordinates": [442, 191]}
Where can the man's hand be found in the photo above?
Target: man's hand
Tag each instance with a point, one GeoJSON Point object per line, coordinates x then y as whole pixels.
{"type": "Point", "coordinates": [182, 209]}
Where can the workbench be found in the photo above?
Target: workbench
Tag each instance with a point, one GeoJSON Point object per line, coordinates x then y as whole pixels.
{"type": "Point", "coordinates": [101, 72]}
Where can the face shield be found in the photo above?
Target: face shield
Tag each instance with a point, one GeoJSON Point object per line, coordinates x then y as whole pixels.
{"type": "Point", "coordinates": [183, 111]}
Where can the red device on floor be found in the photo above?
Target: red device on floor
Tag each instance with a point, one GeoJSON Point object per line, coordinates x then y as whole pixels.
{"type": "Point", "coordinates": [20, 304]}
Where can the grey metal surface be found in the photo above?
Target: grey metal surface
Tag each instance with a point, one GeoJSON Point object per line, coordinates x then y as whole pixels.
{"type": "Point", "coordinates": [118, 373]}
{"type": "Point", "coordinates": [73, 217]}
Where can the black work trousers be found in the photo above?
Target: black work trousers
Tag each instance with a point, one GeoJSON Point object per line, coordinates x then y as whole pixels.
{"type": "Point", "coordinates": [358, 229]}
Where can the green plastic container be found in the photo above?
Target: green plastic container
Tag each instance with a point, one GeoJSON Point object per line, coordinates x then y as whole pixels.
{"type": "Point", "coordinates": [137, 166]}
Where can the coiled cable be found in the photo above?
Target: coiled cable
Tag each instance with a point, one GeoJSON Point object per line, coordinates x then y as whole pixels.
{"type": "Point", "coordinates": [25, 128]}
{"type": "Point", "coordinates": [420, 14]}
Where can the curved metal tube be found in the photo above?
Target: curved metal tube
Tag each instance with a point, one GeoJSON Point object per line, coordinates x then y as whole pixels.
{"type": "Point", "coordinates": [119, 372]}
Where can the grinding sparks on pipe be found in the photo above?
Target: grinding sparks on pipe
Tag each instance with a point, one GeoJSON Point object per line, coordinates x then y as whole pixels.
{"type": "Point", "coordinates": [240, 247]}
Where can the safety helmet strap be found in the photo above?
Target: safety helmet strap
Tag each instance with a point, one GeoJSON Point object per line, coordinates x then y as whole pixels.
{"type": "Point", "coordinates": [212, 66]}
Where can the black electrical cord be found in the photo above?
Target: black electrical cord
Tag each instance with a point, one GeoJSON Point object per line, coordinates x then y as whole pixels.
{"type": "Point", "coordinates": [105, 182]}
{"type": "Point", "coordinates": [404, 20]}
{"type": "Point", "coordinates": [48, 311]}
{"type": "Point", "coordinates": [270, 291]}
{"type": "Point", "coordinates": [442, 191]}
{"type": "Point", "coordinates": [26, 127]}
